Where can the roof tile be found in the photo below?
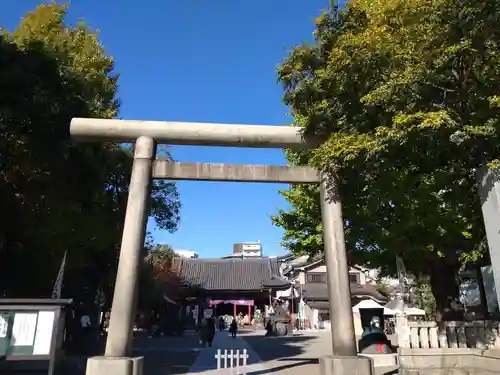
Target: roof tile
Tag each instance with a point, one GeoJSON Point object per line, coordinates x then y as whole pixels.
{"type": "Point", "coordinates": [228, 274]}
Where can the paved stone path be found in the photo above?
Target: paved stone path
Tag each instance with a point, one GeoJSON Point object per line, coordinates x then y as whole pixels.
{"type": "Point", "coordinates": [167, 355]}
{"type": "Point", "coordinates": [206, 363]}
{"type": "Point", "coordinates": [295, 355]}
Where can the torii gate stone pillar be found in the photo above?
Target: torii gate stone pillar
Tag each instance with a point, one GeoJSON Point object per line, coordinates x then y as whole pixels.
{"type": "Point", "coordinates": [117, 358]}
{"type": "Point", "coordinates": [489, 195]}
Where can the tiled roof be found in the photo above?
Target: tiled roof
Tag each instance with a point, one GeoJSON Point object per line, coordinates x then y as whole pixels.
{"type": "Point", "coordinates": [276, 282]}
{"type": "Point", "coordinates": [320, 305]}
{"type": "Point", "coordinates": [285, 257]}
{"type": "Point", "coordinates": [305, 262]}
{"type": "Point", "coordinates": [317, 291]}
{"type": "Point", "coordinates": [230, 274]}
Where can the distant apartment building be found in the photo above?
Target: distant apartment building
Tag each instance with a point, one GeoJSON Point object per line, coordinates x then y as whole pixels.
{"type": "Point", "coordinates": [186, 253]}
{"type": "Point", "coordinates": [246, 250]}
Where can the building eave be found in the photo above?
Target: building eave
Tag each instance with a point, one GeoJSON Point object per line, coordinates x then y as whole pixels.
{"type": "Point", "coordinates": [236, 274]}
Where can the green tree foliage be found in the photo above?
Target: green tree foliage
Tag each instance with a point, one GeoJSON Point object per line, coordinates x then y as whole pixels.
{"type": "Point", "coordinates": [422, 297]}
{"type": "Point", "coordinates": [55, 195]}
{"type": "Point", "coordinates": [404, 96]}
{"type": "Point", "coordinates": [383, 288]}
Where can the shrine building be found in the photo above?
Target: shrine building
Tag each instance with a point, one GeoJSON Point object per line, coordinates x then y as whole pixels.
{"type": "Point", "coordinates": [232, 286]}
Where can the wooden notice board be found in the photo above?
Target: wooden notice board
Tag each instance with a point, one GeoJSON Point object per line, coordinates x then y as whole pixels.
{"type": "Point", "coordinates": [30, 333]}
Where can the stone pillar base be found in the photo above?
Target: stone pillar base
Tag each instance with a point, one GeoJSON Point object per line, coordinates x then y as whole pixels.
{"type": "Point", "coordinates": [333, 365]}
{"type": "Point", "coordinates": [115, 366]}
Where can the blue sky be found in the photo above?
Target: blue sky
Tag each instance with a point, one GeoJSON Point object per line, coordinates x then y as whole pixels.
{"type": "Point", "coordinates": [203, 61]}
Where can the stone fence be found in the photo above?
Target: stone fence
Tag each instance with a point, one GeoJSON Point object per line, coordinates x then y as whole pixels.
{"type": "Point", "coordinates": [423, 335]}
{"type": "Point", "coordinates": [455, 348]}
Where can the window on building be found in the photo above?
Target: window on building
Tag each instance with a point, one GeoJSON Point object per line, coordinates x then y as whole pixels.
{"type": "Point", "coordinates": [354, 278]}
{"type": "Point", "coordinates": [316, 277]}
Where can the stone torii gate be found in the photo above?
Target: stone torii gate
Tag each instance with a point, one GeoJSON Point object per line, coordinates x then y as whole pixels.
{"type": "Point", "coordinates": [146, 167]}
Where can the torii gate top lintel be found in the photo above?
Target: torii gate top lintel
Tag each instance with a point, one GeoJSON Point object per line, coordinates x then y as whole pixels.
{"type": "Point", "coordinates": [188, 133]}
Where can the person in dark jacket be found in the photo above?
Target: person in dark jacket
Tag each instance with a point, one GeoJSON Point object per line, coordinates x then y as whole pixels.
{"type": "Point", "coordinates": [210, 330]}
{"type": "Point", "coordinates": [222, 324]}
{"type": "Point", "coordinates": [202, 332]}
{"type": "Point", "coordinates": [233, 328]}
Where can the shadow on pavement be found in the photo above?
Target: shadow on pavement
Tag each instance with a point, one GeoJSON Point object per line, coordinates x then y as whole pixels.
{"type": "Point", "coordinates": [392, 372]}
{"type": "Point", "coordinates": [273, 348]}
{"type": "Point", "coordinates": [162, 355]}
{"type": "Point", "coordinates": [161, 363]}
{"type": "Point", "coordinates": [298, 362]}
{"type": "Point", "coordinates": [295, 354]}
{"type": "Point", "coordinates": [167, 355]}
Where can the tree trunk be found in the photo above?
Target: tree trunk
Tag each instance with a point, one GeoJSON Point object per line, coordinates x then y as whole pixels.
{"type": "Point", "coordinates": [445, 290]}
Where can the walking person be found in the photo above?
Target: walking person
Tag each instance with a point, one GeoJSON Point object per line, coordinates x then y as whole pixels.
{"type": "Point", "coordinates": [233, 328]}
{"type": "Point", "coordinates": [210, 330]}
{"type": "Point", "coordinates": [154, 324]}
{"type": "Point", "coordinates": [222, 324]}
{"type": "Point", "coordinates": [202, 331]}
